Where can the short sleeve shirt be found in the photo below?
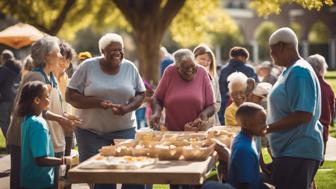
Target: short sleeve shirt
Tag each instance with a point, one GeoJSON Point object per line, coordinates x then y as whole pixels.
{"type": "Point", "coordinates": [230, 115]}
{"type": "Point", "coordinates": [183, 100]}
{"type": "Point", "coordinates": [297, 89]}
{"type": "Point", "coordinates": [90, 80]}
{"type": "Point", "coordinates": [35, 142]}
{"type": "Point", "coordinates": [244, 162]}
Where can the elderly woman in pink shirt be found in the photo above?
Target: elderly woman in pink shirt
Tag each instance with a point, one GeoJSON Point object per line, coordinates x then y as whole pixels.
{"type": "Point", "coordinates": [186, 94]}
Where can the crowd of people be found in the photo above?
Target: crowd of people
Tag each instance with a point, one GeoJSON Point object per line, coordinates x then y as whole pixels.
{"type": "Point", "coordinates": [284, 105]}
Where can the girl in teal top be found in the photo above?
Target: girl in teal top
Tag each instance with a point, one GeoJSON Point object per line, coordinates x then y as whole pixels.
{"type": "Point", "coordinates": [37, 159]}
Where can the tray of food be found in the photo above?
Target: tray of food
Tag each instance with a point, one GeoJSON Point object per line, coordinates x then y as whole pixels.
{"type": "Point", "coordinates": [223, 134]}
{"type": "Point", "coordinates": [123, 162]}
{"type": "Point", "coordinates": [189, 146]}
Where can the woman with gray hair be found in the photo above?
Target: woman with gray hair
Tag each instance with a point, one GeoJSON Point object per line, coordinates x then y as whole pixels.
{"type": "Point", "coordinates": [106, 90]}
{"type": "Point", "coordinates": [328, 97]}
{"type": "Point", "coordinates": [46, 57]}
{"type": "Point", "coordinates": [186, 93]}
{"type": "Point", "coordinates": [294, 132]}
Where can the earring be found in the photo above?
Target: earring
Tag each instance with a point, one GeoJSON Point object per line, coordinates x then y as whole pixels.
{"type": "Point", "coordinates": [37, 101]}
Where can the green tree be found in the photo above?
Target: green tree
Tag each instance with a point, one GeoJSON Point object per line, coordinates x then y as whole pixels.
{"type": "Point", "coordinates": [148, 20]}
{"type": "Point", "coordinates": [266, 7]}
{"type": "Point", "coordinates": [48, 15]}
{"type": "Point", "coordinates": [201, 21]}
{"type": "Point", "coordinates": [297, 28]}
{"type": "Point", "coordinates": [262, 34]}
{"type": "Point", "coordinates": [319, 33]}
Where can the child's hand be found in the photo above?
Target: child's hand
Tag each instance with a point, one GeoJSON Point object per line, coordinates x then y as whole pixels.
{"type": "Point", "coordinates": [223, 151]}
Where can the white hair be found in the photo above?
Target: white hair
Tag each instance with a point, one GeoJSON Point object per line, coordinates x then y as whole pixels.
{"type": "Point", "coordinates": [41, 48]}
{"type": "Point", "coordinates": [108, 38]}
{"type": "Point", "coordinates": [262, 89]}
{"type": "Point", "coordinates": [318, 63]}
{"type": "Point", "coordinates": [285, 35]}
{"type": "Point", "coordinates": [237, 79]}
{"type": "Point", "coordinates": [182, 55]}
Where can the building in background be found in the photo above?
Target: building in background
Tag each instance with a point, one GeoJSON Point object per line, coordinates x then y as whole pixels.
{"type": "Point", "coordinates": [316, 29]}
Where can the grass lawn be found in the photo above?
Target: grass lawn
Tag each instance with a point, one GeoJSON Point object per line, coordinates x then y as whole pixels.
{"type": "Point", "coordinates": [325, 178]}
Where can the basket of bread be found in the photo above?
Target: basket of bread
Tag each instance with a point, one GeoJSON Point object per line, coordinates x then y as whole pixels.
{"type": "Point", "coordinates": [189, 146]}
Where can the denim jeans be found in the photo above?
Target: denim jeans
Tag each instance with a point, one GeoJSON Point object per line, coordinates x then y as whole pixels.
{"type": "Point", "coordinates": [89, 143]}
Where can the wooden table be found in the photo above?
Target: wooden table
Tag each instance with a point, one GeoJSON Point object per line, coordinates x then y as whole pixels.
{"type": "Point", "coordinates": [162, 172]}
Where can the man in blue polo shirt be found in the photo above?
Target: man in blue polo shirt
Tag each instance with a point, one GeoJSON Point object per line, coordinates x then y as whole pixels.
{"type": "Point", "coordinates": [294, 108]}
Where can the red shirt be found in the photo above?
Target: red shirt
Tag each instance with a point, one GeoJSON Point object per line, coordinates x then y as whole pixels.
{"type": "Point", "coordinates": [183, 100]}
{"type": "Point", "coordinates": [327, 106]}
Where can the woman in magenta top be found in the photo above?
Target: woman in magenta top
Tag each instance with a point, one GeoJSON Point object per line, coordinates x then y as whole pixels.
{"type": "Point", "coordinates": [185, 92]}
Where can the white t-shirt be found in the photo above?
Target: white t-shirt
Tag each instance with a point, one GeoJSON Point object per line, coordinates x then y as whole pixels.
{"type": "Point", "coordinates": [90, 80]}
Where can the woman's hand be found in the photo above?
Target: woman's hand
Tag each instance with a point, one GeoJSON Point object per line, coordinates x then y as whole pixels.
{"type": "Point", "coordinates": [105, 104]}
{"type": "Point", "coordinates": [197, 125]}
{"type": "Point", "coordinates": [201, 123]}
{"type": "Point", "coordinates": [190, 127]}
{"type": "Point", "coordinates": [155, 121]}
{"type": "Point", "coordinates": [119, 109]}
{"type": "Point", "coordinates": [68, 121]}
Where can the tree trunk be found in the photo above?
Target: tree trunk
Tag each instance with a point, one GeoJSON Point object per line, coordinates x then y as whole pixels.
{"type": "Point", "coordinates": [148, 45]}
{"type": "Point", "coordinates": [149, 20]}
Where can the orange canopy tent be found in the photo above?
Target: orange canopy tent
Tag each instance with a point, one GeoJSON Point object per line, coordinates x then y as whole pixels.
{"type": "Point", "coordinates": [20, 35]}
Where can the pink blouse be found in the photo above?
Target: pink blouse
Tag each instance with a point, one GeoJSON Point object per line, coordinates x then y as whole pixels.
{"type": "Point", "coordinates": [184, 100]}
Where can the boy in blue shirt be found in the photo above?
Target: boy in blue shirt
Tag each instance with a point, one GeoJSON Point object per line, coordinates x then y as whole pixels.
{"type": "Point", "coordinates": [244, 160]}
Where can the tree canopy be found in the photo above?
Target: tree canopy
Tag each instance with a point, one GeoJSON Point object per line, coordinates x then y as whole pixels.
{"type": "Point", "coordinates": [266, 7]}
{"type": "Point", "coordinates": [191, 21]}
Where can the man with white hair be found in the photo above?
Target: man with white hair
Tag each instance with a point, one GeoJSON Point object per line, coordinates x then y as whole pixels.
{"type": "Point", "coordinates": [328, 97]}
{"type": "Point", "coordinates": [294, 132]}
